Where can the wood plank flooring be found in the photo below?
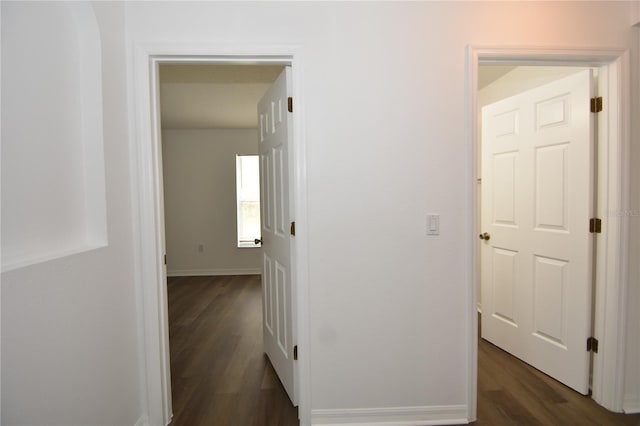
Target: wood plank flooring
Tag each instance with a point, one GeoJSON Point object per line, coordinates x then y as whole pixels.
{"type": "Point", "coordinates": [510, 392]}
{"type": "Point", "coordinates": [219, 374]}
{"type": "Point", "coordinates": [221, 377]}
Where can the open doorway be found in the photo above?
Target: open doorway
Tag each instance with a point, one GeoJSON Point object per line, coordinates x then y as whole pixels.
{"type": "Point", "coordinates": [208, 119]}
{"type": "Point", "coordinates": [537, 195]}
{"type": "Point", "coordinates": [612, 73]}
{"type": "Point", "coordinates": [209, 122]}
{"type": "Point", "coordinates": [152, 293]}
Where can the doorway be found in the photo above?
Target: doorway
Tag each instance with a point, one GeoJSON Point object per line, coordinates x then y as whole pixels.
{"type": "Point", "coordinates": [613, 66]}
{"type": "Point", "coordinates": [209, 124]}
{"type": "Point", "coordinates": [537, 195]}
{"type": "Point", "coordinates": [148, 176]}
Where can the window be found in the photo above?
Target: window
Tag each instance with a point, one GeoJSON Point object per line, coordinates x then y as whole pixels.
{"type": "Point", "coordinates": [248, 196]}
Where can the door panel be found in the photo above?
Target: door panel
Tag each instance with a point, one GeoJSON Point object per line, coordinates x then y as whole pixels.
{"type": "Point", "coordinates": [504, 275]}
{"type": "Point", "coordinates": [551, 187]}
{"type": "Point", "coordinates": [550, 288]}
{"type": "Point", "coordinates": [504, 165]}
{"type": "Point", "coordinates": [537, 198]}
{"type": "Point", "coordinates": [274, 136]}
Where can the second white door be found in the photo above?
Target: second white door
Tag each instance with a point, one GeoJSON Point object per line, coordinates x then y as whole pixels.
{"type": "Point", "coordinates": [536, 252]}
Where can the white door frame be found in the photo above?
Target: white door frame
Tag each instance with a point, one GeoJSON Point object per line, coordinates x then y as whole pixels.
{"type": "Point", "coordinates": [147, 199]}
{"type": "Point", "coordinates": [613, 201]}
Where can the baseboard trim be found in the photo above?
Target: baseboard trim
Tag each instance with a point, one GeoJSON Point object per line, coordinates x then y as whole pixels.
{"type": "Point", "coordinates": [631, 404]}
{"type": "Point", "coordinates": [392, 416]}
{"type": "Point", "coordinates": [212, 272]}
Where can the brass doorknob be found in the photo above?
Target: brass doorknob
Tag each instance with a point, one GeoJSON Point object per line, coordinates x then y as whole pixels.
{"type": "Point", "coordinates": [257, 241]}
{"type": "Point", "coordinates": [485, 236]}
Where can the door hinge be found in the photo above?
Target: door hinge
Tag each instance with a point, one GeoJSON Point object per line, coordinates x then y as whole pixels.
{"type": "Point", "coordinates": [596, 104]}
{"type": "Point", "coordinates": [165, 259]}
{"type": "Point", "coordinates": [293, 228]}
{"type": "Point", "coordinates": [295, 353]}
{"type": "Point", "coordinates": [595, 225]}
{"type": "Point", "coordinates": [592, 345]}
{"type": "Point", "coordinates": [290, 104]}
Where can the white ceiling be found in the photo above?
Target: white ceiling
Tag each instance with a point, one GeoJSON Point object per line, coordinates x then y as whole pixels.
{"type": "Point", "coordinates": [213, 96]}
{"type": "Point", "coordinates": [487, 74]}
{"type": "Point", "coordinates": [196, 96]}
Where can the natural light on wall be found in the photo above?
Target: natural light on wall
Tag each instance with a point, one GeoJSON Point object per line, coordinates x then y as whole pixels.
{"type": "Point", "coordinates": [248, 199]}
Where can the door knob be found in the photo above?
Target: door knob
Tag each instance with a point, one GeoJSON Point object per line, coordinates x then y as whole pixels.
{"type": "Point", "coordinates": [485, 236]}
{"type": "Point", "coordinates": [257, 241]}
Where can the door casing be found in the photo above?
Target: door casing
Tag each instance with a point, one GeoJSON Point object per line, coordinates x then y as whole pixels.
{"type": "Point", "coordinates": [149, 207]}
{"type": "Point", "coordinates": [613, 200]}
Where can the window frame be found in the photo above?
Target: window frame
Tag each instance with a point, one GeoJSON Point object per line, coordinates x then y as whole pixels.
{"type": "Point", "coordinates": [246, 243]}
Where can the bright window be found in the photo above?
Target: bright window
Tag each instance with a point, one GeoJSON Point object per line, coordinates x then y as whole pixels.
{"type": "Point", "coordinates": [248, 196]}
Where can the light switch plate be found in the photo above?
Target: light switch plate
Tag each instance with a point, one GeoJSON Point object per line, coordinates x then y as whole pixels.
{"type": "Point", "coordinates": [433, 224]}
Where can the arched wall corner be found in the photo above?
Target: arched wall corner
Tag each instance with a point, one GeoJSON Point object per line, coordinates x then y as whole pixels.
{"type": "Point", "coordinates": [53, 173]}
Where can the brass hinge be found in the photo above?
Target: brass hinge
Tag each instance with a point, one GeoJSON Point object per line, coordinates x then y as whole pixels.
{"type": "Point", "coordinates": [596, 104]}
{"type": "Point", "coordinates": [295, 353]}
{"type": "Point", "coordinates": [293, 228]}
{"type": "Point", "coordinates": [290, 104]}
{"type": "Point", "coordinates": [595, 225]}
{"type": "Point", "coordinates": [592, 345]}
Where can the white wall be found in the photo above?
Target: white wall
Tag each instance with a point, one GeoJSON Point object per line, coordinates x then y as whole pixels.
{"type": "Point", "coordinates": [384, 102]}
{"type": "Point", "coordinates": [384, 128]}
{"type": "Point", "coordinates": [59, 164]}
{"type": "Point", "coordinates": [69, 325]}
{"type": "Point", "coordinates": [199, 168]}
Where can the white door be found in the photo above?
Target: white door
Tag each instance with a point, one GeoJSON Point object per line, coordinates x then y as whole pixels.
{"type": "Point", "coordinates": [277, 295]}
{"type": "Point", "coordinates": [537, 198]}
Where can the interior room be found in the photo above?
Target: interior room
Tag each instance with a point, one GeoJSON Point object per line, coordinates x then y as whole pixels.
{"type": "Point", "coordinates": [370, 236]}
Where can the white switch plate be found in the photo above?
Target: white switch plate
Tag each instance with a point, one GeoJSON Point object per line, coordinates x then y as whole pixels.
{"type": "Point", "coordinates": [433, 224]}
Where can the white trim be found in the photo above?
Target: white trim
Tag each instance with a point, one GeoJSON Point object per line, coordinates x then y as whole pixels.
{"type": "Point", "coordinates": [393, 416]}
{"type": "Point", "coordinates": [0, 238]}
{"type": "Point", "coordinates": [37, 258]}
{"type": "Point", "coordinates": [148, 220]}
{"type": "Point", "coordinates": [631, 404]}
{"type": "Point", "coordinates": [612, 244]}
{"type": "Point", "coordinates": [611, 280]}
{"type": "Point", "coordinates": [212, 272]}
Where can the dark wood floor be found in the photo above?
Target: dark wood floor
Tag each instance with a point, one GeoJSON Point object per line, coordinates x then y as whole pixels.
{"type": "Point", "coordinates": [511, 392]}
{"type": "Point", "coordinates": [221, 377]}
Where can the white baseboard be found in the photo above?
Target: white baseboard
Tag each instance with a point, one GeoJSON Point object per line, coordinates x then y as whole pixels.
{"type": "Point", "coordinates": [142, 421]}
{"type": "Point", "coordinates": [631, 404]}
{"type": "Point", "coordinates": [212, 272]}
{"type": "Point", "coordinates": [392, 416]}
